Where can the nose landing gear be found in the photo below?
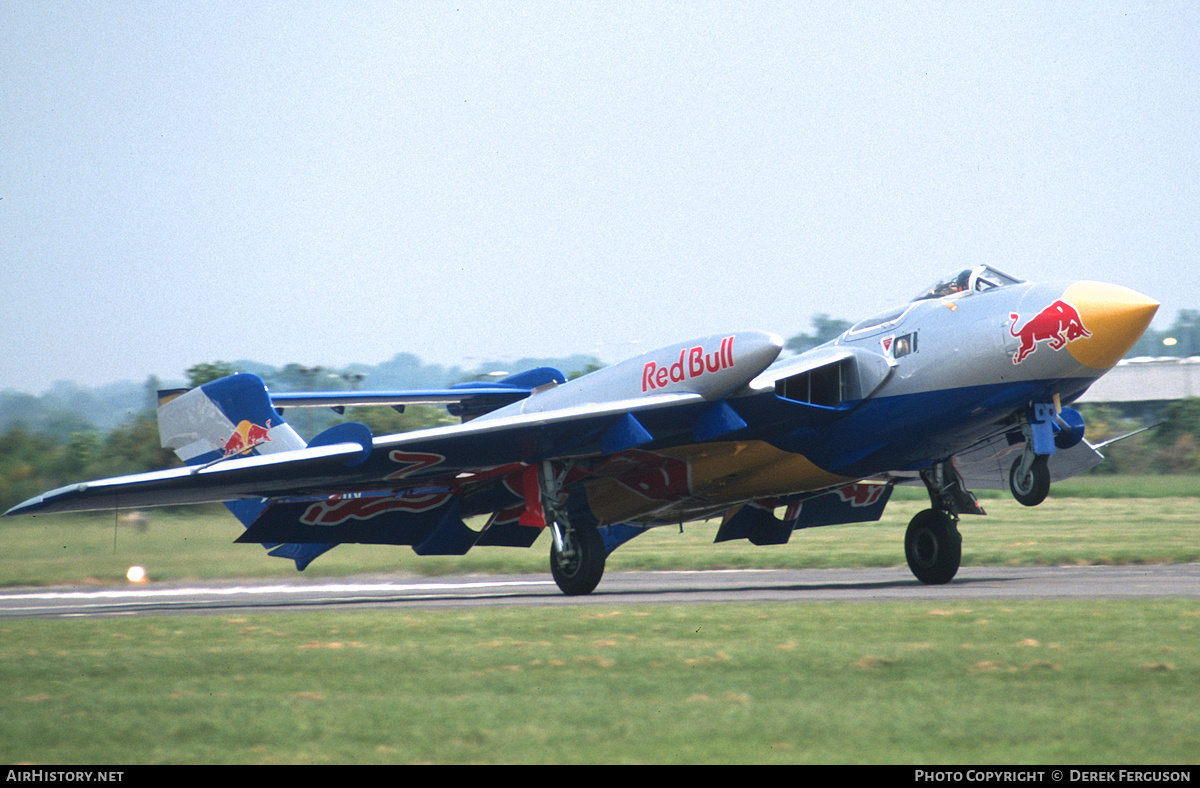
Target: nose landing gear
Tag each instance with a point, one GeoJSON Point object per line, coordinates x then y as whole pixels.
{"type": "Point", "coordinates": [1029, 478]}
{"type": "Point", "coordinates": [1045, 428]}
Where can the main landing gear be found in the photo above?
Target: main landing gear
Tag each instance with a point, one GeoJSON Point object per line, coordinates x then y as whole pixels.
{"type": "Point", "coordinates": [932, 543]}
{"type": "Point", "coordinates": [577, 558]}
{"type": "Point", "coordinates": [577, 553]}
{"type": "Point", "coordinates": [933, 546]}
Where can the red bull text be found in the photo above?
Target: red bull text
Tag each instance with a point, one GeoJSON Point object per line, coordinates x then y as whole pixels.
{"type": "Point", "coordinates": [1058, 324]}
{"type": "Point", "coordinates": [693, 362]}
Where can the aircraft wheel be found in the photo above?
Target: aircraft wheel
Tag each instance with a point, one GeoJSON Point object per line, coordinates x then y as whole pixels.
{"type": "Point", "coordinates": [933, 547]}
{"type": "Point", "coordinates": [1032, 488]}
{"type": "Point", "coordinates": [577, 569]}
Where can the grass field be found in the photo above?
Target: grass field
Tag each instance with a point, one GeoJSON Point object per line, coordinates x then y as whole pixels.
{"type": "Point", "coordinates": [1037, 682]}
{"type": "Point", "coordinates": [988, 683]}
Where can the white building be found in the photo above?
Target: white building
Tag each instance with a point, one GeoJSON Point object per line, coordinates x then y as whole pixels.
{"type": "Point", "coordinates": [1147, 380]}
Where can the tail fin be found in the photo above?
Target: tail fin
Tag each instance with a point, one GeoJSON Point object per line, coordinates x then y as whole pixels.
{"type": "Point", "coordinates": [225, 418]}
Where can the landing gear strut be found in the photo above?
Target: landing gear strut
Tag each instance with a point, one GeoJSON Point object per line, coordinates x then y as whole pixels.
{"type": "Point", "coordinates": [932, 543]}
{"type": "Point", "coordinates": [577, 553]}
{"type": "Point", "coordinates": [1029, 476]}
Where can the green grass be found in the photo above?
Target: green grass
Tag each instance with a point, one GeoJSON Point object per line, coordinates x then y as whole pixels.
{"type": "Point", "coordinates": [923, 683]}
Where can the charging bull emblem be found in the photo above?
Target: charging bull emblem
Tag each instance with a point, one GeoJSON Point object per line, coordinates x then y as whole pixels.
{"type": "Point", "coordinates": [246, 437]}
{"type": "Point", "coordinates": [1058, 323]}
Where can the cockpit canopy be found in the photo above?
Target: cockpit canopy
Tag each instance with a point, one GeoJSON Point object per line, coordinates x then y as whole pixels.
{"type": "Point", "coordinates": [964, 283]}
{"type": "Point", "coordinates": [971, 280]}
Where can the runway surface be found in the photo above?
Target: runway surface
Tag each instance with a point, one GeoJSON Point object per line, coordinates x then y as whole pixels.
{"type": "Point", "coordinates": [617, 588]}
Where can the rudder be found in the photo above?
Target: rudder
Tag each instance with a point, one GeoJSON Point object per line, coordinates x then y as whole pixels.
{"type": "Point", "coordinates": [226, 418]}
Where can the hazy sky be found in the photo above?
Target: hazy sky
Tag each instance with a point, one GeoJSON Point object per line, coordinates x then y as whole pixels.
{"type": "Point", "coordinates": [325, 183]}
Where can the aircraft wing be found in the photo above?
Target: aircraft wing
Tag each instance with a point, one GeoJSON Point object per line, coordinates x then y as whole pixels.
{"type": "Point", "coordinates": [338, 463]}
{"type": "Point", "coordinates": [238, 477]}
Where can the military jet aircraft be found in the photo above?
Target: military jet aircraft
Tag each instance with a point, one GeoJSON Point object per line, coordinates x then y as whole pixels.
{"type": "Point", "coordinates": [967, 385]}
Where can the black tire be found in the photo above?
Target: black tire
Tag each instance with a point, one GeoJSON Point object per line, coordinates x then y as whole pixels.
{"type": "Point", "coordinates": [933, 547]}
{"type": "Point", "coordinates": [1033, 488]}
{"type": "Point", "coordinates": [578, 569]}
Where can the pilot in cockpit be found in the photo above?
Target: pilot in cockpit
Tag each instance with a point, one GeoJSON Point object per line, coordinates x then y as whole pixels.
{"type": "Point", "coordinates": [985, 278]}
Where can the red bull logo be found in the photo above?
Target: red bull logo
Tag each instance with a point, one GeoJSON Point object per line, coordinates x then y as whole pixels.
{"type": "Point", "coordinates": [245, 437]}
{"type": "Point", "coordinates": [693, 362]}
{"type": "Point", "coordinates": [1057, 324]}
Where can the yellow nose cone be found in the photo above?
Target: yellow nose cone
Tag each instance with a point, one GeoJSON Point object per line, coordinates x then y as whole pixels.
{"type": "Point", "coordinates": [1115, 318]}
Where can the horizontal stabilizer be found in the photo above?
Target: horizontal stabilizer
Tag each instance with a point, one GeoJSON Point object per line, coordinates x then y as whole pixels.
{"type": "Point", "coordinates": [462, 399]}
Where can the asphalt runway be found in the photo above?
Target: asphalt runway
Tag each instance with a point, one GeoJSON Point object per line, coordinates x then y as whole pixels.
{"type": "Point", "coordinates": [617, 589]}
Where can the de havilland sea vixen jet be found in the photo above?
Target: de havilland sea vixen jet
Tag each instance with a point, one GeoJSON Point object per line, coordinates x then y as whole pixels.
{"type": "Point", "coordinates": [965, 386]}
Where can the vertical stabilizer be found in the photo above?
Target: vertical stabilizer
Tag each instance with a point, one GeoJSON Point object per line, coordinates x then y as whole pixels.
{"type": "Point", "coordinates": [225, 418]}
